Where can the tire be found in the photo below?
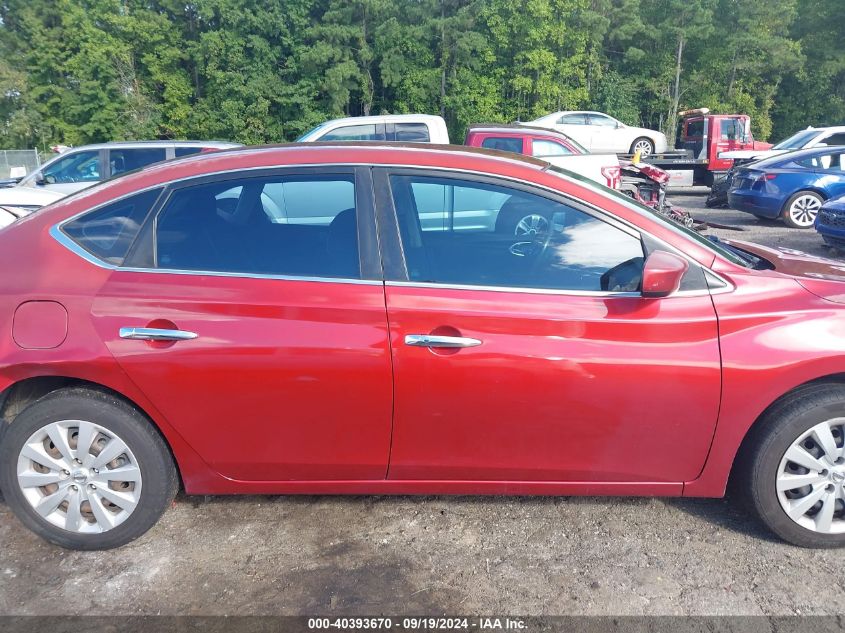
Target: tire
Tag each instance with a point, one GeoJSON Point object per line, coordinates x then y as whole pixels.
{"type": "Point", "coordinates": [801, 209]}
{"type": "Point", "coordinates": [645, 144]}
{"type": "Point", "coordinates": [144, 486]}
{"type": "Point", "coordinates": [763, 466]}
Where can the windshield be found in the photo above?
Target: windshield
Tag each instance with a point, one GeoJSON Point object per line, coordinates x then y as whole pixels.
{"type": "Point", "coordinates": [718, 247]}
{"type": "Point", "coordinates": [797, 140]}
{"type": "Point", "coordinates": [311, 132]}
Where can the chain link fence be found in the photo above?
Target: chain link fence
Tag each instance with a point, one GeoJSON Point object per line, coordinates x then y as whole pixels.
{"type": "Point", "coordinates": [16, 163]}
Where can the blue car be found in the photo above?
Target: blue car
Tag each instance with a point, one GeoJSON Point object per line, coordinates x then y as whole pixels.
{"type": "Point", "coordinates": [830, 222]}
{"type": "Point", "coordinates": [790, 186]}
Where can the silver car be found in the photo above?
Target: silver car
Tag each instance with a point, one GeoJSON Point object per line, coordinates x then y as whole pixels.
{"type": "Point", "coordinates": [81, 167]}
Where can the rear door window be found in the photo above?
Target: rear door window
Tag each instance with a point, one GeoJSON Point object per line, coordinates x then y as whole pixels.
{"type": "Point", "coordinates": [304, 226]}
{"type": "Point", "coordinates": [573, 119]}
{"type": "Point", "coordinates": [187, 151]}
{"type": "Point", "coordinates": [108, 232]}
{"type": "Point", "coordinates": [601, 120]}
{"type": "Point", "coordinates": [128, 159]}
{"type": "Point", "coordinates": [411, 132]}
{"type": "Point", "coordinates": [366, 132]}
{"type": "Point", "coordinates": [503, 143]}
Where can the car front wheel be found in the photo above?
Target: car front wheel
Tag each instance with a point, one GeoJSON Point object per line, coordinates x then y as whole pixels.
{"type": "Point", "coordinates": [801, 209]}
{"type": "Point", "coordinates": [794, 467]}
{"type": "Point", "coordinates": [85, 470]}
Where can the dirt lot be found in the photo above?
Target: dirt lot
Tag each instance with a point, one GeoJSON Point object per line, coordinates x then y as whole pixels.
{"type": "Point", "coordinates": [397, 555]}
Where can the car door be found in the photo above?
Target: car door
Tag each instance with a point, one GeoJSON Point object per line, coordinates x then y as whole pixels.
{"type": "Point", "coordinates": [832, 174]}
{"type": "Point", "coordinates": [266, 292]}
{"type": "Point", "coordinates": [605, 135]}
{"type": "Point", "coordinates": [574, 125]}
{"type": "Point", "coordinates": [124, 159]}
{"type": "Point", "coordinates": [524, 351]}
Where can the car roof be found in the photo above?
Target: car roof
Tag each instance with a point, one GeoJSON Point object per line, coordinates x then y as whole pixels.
{"type": "Point", "coordinates": [383, 118]}
{"type": "Point", "coordinates": [157, 143]}
{"type": "Point", "coordinates": [516, 128]}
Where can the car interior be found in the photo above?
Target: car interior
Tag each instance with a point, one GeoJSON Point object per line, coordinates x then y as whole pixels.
{"type": "Point", "coordinates": [218, 227]}
{"type": "Point", "coordinates": [529, 241]}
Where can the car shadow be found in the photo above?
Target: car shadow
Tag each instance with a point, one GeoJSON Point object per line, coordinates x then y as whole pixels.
{"type": "Point", "coordinates": [724, 513]}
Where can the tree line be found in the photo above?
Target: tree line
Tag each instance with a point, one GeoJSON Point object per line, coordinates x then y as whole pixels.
{"type": "Point", "coordinates": [259, 71]}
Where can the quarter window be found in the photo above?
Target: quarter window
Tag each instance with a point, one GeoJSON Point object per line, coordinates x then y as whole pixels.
{"type": "Point", "coordinates": [298, 226]}
{"type": "Point", "coordinates": [109, 231]}
{"type": "Point", "coordinates": [463, 232]}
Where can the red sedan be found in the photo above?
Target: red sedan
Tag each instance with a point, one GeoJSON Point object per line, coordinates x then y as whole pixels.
{"type": "Point", "coordinates": [407, 319]}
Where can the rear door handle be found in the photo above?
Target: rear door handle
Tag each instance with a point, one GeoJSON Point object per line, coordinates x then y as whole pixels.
{"type": "Point", "coordinates": [155, 334]}
{"type": "Point", "coordinates": [430, 340]}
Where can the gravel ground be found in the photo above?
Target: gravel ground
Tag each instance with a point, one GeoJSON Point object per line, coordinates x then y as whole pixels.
{"type": "Point", "coordinates": [399, 555]}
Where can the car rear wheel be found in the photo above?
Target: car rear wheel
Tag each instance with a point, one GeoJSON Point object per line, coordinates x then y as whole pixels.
{"type": "Point", "coordinates": [644, 146]}
{"type": "Point", "coordinates": [800, 210]}
{"type": "Point", "coordinates": [793, 467]}
{"type": "Point", "coordinates": [85, 470]}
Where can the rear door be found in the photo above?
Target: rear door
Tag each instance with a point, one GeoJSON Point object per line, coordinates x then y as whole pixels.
{"type": "Point", "coordinates": [267, 291]}
{"type": "Point", "coordinates": [523, 350]}
{"type": "Point", "coordinates": [575, 125]}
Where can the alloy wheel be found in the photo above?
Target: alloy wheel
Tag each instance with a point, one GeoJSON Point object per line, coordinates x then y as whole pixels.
{"type": "Point", "coordinates": [804, 209]}
{"type": "Point", "coordinates": [643, 147]}
{"type": "Point", "coordinates": [79, 476]}
{"type": "Point", "coordinates": [810, 479]}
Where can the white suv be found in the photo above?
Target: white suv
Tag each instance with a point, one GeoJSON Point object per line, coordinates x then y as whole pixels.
{"type": "Point", "coordinates": [805, 139]}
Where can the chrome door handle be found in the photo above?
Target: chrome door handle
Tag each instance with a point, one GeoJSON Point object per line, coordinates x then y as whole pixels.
{"type": "Point", "coordinates": [155, 334]}
{"type": "Point", "coordinates": [430, 340]}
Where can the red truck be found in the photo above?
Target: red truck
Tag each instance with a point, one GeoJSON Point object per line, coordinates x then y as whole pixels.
{"type": "Point", "coordinates": [700, 139]}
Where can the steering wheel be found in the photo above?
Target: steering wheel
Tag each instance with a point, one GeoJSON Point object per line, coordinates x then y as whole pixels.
{"type": "Point", "coordinates": [537, 229]}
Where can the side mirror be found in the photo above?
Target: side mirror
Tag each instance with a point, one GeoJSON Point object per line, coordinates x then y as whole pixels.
{"type": "Point", "coordinates": [662, 274]}
{"type": "Point", "coordinates": [39, 179]}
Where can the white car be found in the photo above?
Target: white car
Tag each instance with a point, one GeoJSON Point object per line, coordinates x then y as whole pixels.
{"type": "Point", "coordinates": [599, 132]}
{"type": "Point", "coordinates": [16, 202]}
{"type": "Point", "coordinates": [805, 139]}
{"type": "Point", "coordinates": [411, 128]}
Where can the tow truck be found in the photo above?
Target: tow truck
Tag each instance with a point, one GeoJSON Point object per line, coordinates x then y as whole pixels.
{"type": "Point", "coordinates": [700, 139]}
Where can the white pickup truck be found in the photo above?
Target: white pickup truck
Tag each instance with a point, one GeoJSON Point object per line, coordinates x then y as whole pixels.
{"type": "Point", "coordinates": [545, 144]}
